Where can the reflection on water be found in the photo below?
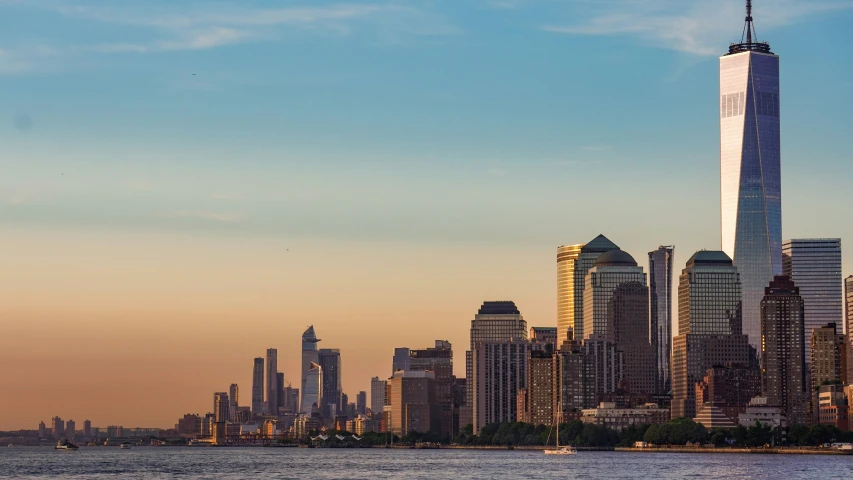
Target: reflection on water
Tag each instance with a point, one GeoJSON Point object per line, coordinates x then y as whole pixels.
{"type": "Point", "coordinates": [216, 463]}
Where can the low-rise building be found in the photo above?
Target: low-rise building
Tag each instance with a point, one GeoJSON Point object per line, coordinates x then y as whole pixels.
{"type": "Point", "coordinates": [607, 415]}
{"type": "Point", "coordinates": [759, 410]}
{"type": "Point", "coordinates": [833, 407]}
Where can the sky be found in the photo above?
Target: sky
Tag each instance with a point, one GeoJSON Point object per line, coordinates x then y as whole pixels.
{"type": "Point", "coordinates": [184, 184]}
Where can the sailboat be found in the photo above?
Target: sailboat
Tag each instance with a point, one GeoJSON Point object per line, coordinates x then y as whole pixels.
{"type": "Point", "coordinates": [558, 450]}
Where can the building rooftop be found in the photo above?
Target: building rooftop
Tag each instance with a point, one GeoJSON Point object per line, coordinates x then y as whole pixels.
{"type": "Point", "coordinates": [614, 258]}
{"type": "Point", "coordinates": [709, 257]}
{"type": "Point", "coordinates": [499, 308]}
{"type": "Point", "coordinates": [599, 244]}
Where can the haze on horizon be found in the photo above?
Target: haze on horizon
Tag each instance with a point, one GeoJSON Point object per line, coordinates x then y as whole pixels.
{"type": "Point", "coordinates": [184, 185]}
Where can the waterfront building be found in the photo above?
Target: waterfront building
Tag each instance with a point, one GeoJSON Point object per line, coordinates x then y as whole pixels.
{"type": "Point", "coordinates": [609, 415]}
{"type": "Point", "coordinates": [783, 349]}
{"type": "Point", "coordinates": [57, 427]}
{"type": "Point", "coordinates": [330, 362]}
{"type": "Point", "coordinates": [258, 387]}
{"type": "Point", "coordinates": [567, 256]}
{"type": "Point", "coordinates": [660, 312]}
{"type": "Point", "coordinates": [828, 355]}
{"type": "Point", "coordinates": [544, 335]}
{"type": "Point", "coordinates": [400, 360]}
{"type": "Point", "coordinates": [310, 357]}
{"type": "Point", "coordinates": [729, 388]}
{"type": "Point", "coordinates": [574, 379]}
{"type": "Point", "coordinates": [439, 360]}
{"type": "Point", "coordinates": [414, 406]}
{"type": "Point", "coordinates": [361, 403]}
{"type": "Point", "coordinates": [712, 416]}
{"type": "Point", "coordinates": [763, 411]}
{"type": "Point", "coordinates": [499, 370]}
{"type": "Point", "coordinates": [709, 326]}
{"type": "Point", "coordinates": [750, 169]}
{"type": "Point", "coordinates": [220, 407]}
{"type": "Point", "coordinates": [234, 398]}
{"type": "Point", "coordinates": [377, 395]}
{"type": "Point", "coordinates": [495, 321]}
{"type": "Point", "coordinates": [833, 407]}
{"type": "Point", "coordinates": [189, 425]}
{"type": "Point", "coordinates": [272, 382]}
{"type": "Point", "coordinates": [589, 253]}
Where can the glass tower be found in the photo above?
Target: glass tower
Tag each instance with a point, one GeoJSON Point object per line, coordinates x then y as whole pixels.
{"type": "Point", "coordinates": [751, 207]}
{"type": "Point", "coordinates": [660, 308]}
{"type": "Point", "coordinates": [258, 386]}
{"type": "Point", "coordinates": [272, 381]}
{"type": "Point", "coordinates": [567, 256]}
{"type": "Point", "coordinates": [814, 264]}
{"type": "Point", "coordinates": [310, 356]}
{"type": "Point", "coordinates": [589, 253]}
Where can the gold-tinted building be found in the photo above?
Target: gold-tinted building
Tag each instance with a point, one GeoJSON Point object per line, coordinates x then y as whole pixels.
{"type": "Point", "coordinates": [567, 255]}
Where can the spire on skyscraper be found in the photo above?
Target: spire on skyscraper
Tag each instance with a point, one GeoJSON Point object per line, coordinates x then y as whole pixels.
{"type": "Point", "coordinates": [749, 38]}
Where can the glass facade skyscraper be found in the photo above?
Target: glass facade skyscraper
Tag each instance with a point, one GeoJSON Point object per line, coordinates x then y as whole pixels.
{"type": "Point", "coordinates": [589, 253]}
{"type": "Point", "coordinates": [750, 162]}
{"type": "Point", "coordinates": [272, 381]}
{"type": "Point", "coordinates": [330, 362]}
{"type": "Point", "coordinates": [258, 386]}
{"type": "Point", "coordinates": [309, 357]}
{"type": "Point", "coordinates": [567, 256]}
{"type": "Point", "coordinates": [814, 264]}
{"type": "Point", "coordinates": [660, 309]}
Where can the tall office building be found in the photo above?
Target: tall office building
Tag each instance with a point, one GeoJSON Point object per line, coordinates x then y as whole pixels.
{"type": "Point", "coordinates": [58, 427]}
{"type": "Point", "coordinates": [258, 387]}
{"type": "Point", "coordinates": [413, 403]}
{"type": "Point", "coordinates": [309, 357]}
{"type": "Point", "coordinates": [567, 256]}
{"type": "Point", "coordinates": [848, 308]}
{"type": "Point", "coordinates": [814, 264]}
{"type": "Point", "coordinates": [400, 360]}
{"type": "Point", "coordinates": [546, 335]}
{"type": "Point", "coordinates": [312, 389]}
{"type": "Point", "coordinates": [220, 407]}
{"type": "Point", "coordinates": [589, 253]}
{"type": "Point", "coordinates": [499, 370]}
{"type": "Point", "coordinates": [660, 309]}
{"type": "Point", "coordinates": [272, 382]}
{"type": "Point", "coordinates": [377, 395]}
{"type": "Point", "coordinates": [574, 379]}
{"type": "Point", "coordinates": [361, 403]}
{"type": "Point", "coordinates": [828, 355]}
{"type": "Point", "coordinates": [330, 362]}
{"type": "Point", "coordinates": [539, 393]}
{"type": "Point", "coordinates": [783, 349]}
{"type": "Point", "coordinates": [70, 429]}
{"type": "Point", "coordinates": [87, 428]}
{"type": "Point", "coordinates": [440, 361]}
{"type": "Point", "coordinates": [282, 393]}
{"type": "Point", "coordinates": [709, 326]}
{"type": "Point", "coordinates": [751, 195]}
{"type": "Point", "coordinates": [616, 308]}
{"type": "Point", "coordinates": [497, 321]}
{"type": "Point", "coordinates": [233, 397]}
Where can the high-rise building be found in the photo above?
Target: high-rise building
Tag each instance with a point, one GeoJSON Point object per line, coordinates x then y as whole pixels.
{"type": "Point", "coordinates": [589, 253]}
{"type": "Point", "coordinates": [709, 326]}
{"type": "Point", "coordinates": [497, 321]}
{"type": "Point", "coordinates": [377, 395]}
{"type": "Point", "coordinates": [616, 308]}
{"type": "Point", "coordinates": [258, 386]}
{"type": "Point", "coordinates": [567, 256]}
{"type": "Point", "coordinates": [828, 355]}
{"type": "Point", "coordinates": [660, 309]}
{"type": "Point", "coordinates": [440, 361]}
{"type": "Point", "coordinates": [42, 430]}
{"type": "Point", "coordinates": [540, 387]}
{"type": "Point", "coordinates": [848, 306]}
{"type": "Point", "coordinates": [312, 389]}
{"type": "Point", "coordinates": [574, 379]}
{"type": "Point", "coordinates": [608, 363]}
{"type": "Point", "coordinates": [728, 388]}
{"type": "Point", "coordinates": [400, 360]}
{"type": "Point", "coordinates": [361, 403]}
{"type": "Point", "coordinates": [220, 407]}
{"type": "Point", "coordinates": [87, 428]}
{"type": "Point", "coordinates": [58, 427]}
{"type": "Point", "coordinates": [413, 403]}
{"type": "Point", "coordinates": [309, 357]}
{"type": "Point", "coordinates": [499, 371]}
{"type": "Point", "coordinates": [783, 349]}
{"type": "Point", "coordinates": [545, 335]}
{"type": "Point", "coordinates": [272, 382]}
{"type": "Point", "coordinates": [814, 264]}
{"type": "Point", "coordinates": [234, 398]}
{"type": "Point", "coordinates": [70, 429]}
{"type": "Point", "coordinates": [330, 362]}
{"type": "Point", "coordinates": [282, 393]}
{"type": "Point", "coordinates": [750, 169]}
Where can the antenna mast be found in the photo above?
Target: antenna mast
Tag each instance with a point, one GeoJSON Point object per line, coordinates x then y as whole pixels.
{"type": "Point", "coordinates": [749, 39]}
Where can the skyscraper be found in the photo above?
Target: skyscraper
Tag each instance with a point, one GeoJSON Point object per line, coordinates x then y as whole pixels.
{"type": "Point", "coordinates": [499, 370]}
{"type": "Point", "coordinates": [233, 397]}
{"type": "Point", "coordinates": [400, 360]}
{"type": "Point", "coordinates": [783, 349]}
{"type": "Point", "coordinates": [848, 308]}
{"type": "Point", "coordinates": [440, 361]}
{"type": "Point", "coordinates": [660, 308]}
{"type": "Point", "coordinates": [70, 429]}
{"type": "Point", "coordinates": [750, 163]}
{"type": "Point", "coordinates": [567, 256]}
{"type": "Point", "coordinates": [361, 403]}
{"type": "Point", "coordinates": [258, 387]}
{"type": "Point", "coordinates": [272, 382]}
{"type": "Point", "coordinates": [58, 427]}
{"type": "Point", "coordinates": [814, 264]}
{"type": "Point", "coordinates": [309, 357]}
{"type": "Point", "coordinates": [589, 253]}
{"type": "Point", "coordinates": [828, 355]}
{"type": "Point", "coordinates": [377, 395]}
{"type": "Point", "coordinates": [330, 362]}
{"type": "Point", "coordinates": [709, 326]}
{"type": "Point", "coordinates": [312, 388]}
{"type": "Point", "coordinates": [220, 407]}
{"type": "Point", "coordinates": [282, 394]}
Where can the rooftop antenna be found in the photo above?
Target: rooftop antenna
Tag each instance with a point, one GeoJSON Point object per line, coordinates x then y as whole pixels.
{"type": "Point", "coordinates": [749, 39]}
{"type": "Point", "coordinates": [749, 27]}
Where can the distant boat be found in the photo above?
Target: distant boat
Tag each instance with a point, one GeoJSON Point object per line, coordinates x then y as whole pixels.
{"type": "Point", "coordinates": [65, 445]}
{"type": "Point", "coordinates": [565, 450]}
{"type": "Point", "coordinates": [10, 445]}
{"type": "Point", "coordinates": [126, 445]}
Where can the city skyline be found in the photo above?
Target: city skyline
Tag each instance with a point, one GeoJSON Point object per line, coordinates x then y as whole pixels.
{"type": "Point", "coordinates": [113, 258]}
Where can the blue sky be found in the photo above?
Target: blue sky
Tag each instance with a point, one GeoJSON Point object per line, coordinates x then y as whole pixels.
{"type": "Point", "coordinates": [466, 139]}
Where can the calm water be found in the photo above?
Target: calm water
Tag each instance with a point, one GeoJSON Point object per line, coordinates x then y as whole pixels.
{"type": "Point", "coordinates": [258, 463]}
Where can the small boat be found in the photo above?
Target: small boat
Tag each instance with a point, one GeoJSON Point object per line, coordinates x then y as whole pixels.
{"type": "Point", "coordinates": [10, 445]}
{"type": "Point", "coordinates": [126, 445]}
{"type": "Point", "coordinates": [65, 445]}
{"type": "Point", "coordinates": [558, 450]}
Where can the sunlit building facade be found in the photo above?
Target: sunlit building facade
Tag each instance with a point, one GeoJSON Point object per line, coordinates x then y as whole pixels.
{"type": "Point", "coordinates": [567, 256]}
{"type": "Point", "coordinates": [310, 356]}
{"type": "Point", "coordinates": [660, 313]}
{"type": "Point", "coordinates": [586, 259]}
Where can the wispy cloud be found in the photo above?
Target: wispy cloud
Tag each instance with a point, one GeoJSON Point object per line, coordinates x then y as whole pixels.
{"type": "Point", "coordinates": [697, 27]}
{"type": "Point", "coordinates": [213, 216]}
